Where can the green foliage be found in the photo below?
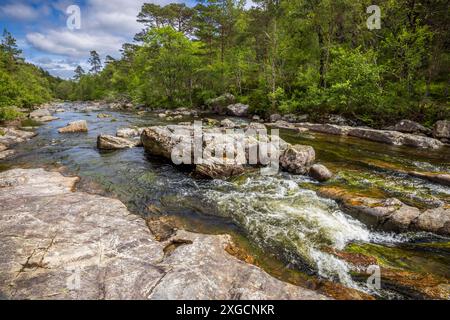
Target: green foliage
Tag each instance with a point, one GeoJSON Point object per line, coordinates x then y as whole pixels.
{"type": "Point", "coordinates": [22, 85]}
{"type": "Point", "coordinates": [304, 56]}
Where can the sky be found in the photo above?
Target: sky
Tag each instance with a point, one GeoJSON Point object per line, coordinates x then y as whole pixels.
{"type": "Point", "coordinates": [40, 28]}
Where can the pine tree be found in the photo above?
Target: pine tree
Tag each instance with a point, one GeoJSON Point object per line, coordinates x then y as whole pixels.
{"type": "Point", "coordinates": [95, 62]}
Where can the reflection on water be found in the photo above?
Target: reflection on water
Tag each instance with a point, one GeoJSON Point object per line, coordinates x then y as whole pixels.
{"type": "Point", "coordinates": [279, 214]}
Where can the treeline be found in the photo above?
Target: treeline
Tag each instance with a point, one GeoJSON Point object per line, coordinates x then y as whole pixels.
{"type": "Point", "coordinates": [22, 85]}
{"type": "Point", "coordinates": [306, 56]}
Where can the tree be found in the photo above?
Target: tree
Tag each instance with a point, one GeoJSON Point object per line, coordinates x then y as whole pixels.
{"type": "Point", "coordinates": [9, 45]}
{"type": "Point", "coordinates": [79, 72]}
{"type": "Point", "coordinates": [95, 62]}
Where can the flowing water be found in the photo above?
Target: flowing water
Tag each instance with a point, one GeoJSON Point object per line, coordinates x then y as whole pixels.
{"type": "Point", "coordinates": [279, 216]}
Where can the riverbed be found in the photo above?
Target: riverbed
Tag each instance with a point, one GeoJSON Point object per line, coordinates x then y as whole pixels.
{"type": "Point", "coordinates": [279, 220]}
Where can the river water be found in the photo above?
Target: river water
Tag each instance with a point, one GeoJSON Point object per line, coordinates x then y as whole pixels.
{"type": "Point", "coordinates": [279, 219]}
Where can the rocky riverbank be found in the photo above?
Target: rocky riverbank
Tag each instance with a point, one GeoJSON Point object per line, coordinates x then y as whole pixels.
{"type": "Point", "coordinates": [60, 244]}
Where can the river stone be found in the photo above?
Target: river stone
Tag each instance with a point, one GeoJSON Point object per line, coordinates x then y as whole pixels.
{"type": "Point", "coordinates": [160, 141]}
{"type": "Point", "coordinates": [442, 129]}
{"type": "Point", "coordinates": [435, 220]}
{"type": "Point", "coordinates": [297, 159]}
{"type": "Point", "coordinates": [275, 117]}
{"type": "Point", "coordinates": [216, 169]}
{"type": "Point", "coordinates": [6, 154]}
{"type": "Point", "coordinates": [408, 126]}
{"type": "Point", "coordinates": [47, 118]}
{"type": "Point", "coordinates": [60, 244]}
{"type": "Point", "coordinates": [382, 136]}
{"type": "Point", "coordinates": [257, 126]}
{"type": "Point", "coordinates": [106, 142]}
{"type": "Point", "coordinates": [40, 113]}
{"type": "Point", "coordinates": [3, 147]}
{"type": "Point", "coordinates": [227, 123]}
{"type": "Point", "coordinates": [129, 132]}
{"type": "Point", "coordinates": [73, 127]}
{"type": "Point", "coordinates": [12, 136]}
{"type": "Point", "coordinates": [320, 172]}
{"type": "Point", "coordinates": [238, 110]}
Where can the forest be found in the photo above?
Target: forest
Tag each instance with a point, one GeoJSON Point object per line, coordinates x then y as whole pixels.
{"type": "Point", "coordinates": [315, 57]}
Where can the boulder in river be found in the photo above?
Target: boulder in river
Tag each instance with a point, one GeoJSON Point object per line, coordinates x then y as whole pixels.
{"type": "Point", "coordinates": [320, 172]}
{"type": "Point", "coordinates": [12, 136]}
{"type": "Point", "coordinates": [216, 169]}
{"type": "Point", "coordinates": [106, 142]}
{"type": "Point", "coordinates": [74, 127]}
{"type": "Point", "coordinates": [60, 244]}
{"type": "Point", "coordinates": [390, 214]}
{"type": "Point", "coordinates": [275, 117]}
{"type": "Point", "coordinates": [408, 126]}
{"type": "Point", "coordinates": [218, 105]}
{"type": "Point", "coordinates": [227, 123]}
{"type": "Point", "coordinates": [297, 159]}
{"type": "Point", "coordinates": [129, 132]}
{"type": "Point", "coordinates": [6, 154]}
{"type": "Point", "coordinates": [442, 130]}
{"type": "Point", "coordinates": [238, 110]}
{"type": "Point", "coordinates": [36, 114]}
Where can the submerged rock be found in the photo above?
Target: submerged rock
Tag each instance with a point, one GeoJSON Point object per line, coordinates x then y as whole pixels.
{"type": "Point", "coordinates": [390, 214]}
{"type": "Point", "coordinates": [382, 136]}
{"type": "Point", "coordinates": [238, 110]}
{"type": "Point", "coordinates": [320, 172]}
{"type": "Point", "coordinates": [106, 142]}
{"type": "Point", "coordinates": [297, 159]}
{"type": "Point", "coordinates": [74, 127]}
{"type": "Point", "coordinates": [74, 245]}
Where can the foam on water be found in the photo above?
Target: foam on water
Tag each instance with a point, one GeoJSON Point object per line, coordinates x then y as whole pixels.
{"type": "Point", "coordinates": [277, 213]}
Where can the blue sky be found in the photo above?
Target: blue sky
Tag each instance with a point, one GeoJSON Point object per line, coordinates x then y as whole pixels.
{"type": "Point", "coordinates": [41, 31]}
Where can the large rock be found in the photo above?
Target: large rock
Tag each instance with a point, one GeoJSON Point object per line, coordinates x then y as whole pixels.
{"type": "Point", "coordinates": [129, 132]}
{"type": "Point", "coordinates": [442, 130]}
{"type": "Point", "coordinates": [36, 114]}
{"type": "Point", "coordinates": [297, 159]}
{"type": "Point", "coordinates": [106, 142]}
{"type": "Point", "coordinates": [227, 123]}
{"type": "Point", "coordinates": [408, 126]}
{"type": "Point", "coordinates": [59, 244]}
{"type": "Point", "coordinates": [435, 220]}
{"type": "Point", "coordinates": [216, 169]}
{"type": "Point", "coordinates": [275, 117]}
{"type": "Point", "coordinates": [160, 141]}
{"type": "Point", "coordinates": [6, 154]}
{"type": "Point", "coordinates": [238, 110]}
{"type": "Point", "coordinates": [76, 126]}
{"type": "Point", "coordinates": [218, 105]}
{"type": "Point", "coordinates": [12, 136]}
{"type": "Point", "coordinates": [320, 173]}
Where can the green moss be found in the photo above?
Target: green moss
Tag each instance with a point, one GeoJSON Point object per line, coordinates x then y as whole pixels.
{"type": "Point", "coordinates": [2, 132]}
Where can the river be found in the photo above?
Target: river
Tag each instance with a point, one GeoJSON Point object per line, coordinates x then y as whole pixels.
{"type": "Point", "coordinates": [279, 219]}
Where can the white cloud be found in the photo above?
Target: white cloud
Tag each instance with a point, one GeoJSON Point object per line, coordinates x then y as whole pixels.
{"type": "Point", "coordinates": [74, 44]}
{"type": "Point", "coordinates": [105, 26]}
{"type": "Point", "coordinates": [19, 11]}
